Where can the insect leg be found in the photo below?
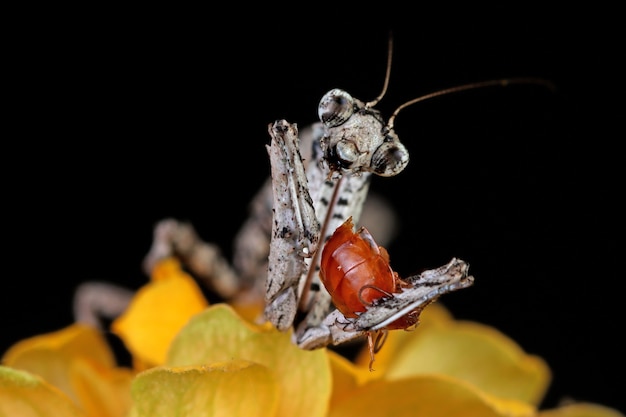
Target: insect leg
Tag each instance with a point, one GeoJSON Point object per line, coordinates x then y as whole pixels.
{"type": "Point", "coordinates": [295, 228]}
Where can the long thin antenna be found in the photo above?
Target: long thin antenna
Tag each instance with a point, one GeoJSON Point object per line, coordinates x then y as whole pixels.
{"type": "Point", "coordinates": [491, 83]}
{"type": "Point", "coordinates": [372, 103]}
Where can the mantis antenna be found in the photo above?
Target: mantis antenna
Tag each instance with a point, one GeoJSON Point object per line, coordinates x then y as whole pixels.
{"type": "Point", "coordinates": [471, 86]}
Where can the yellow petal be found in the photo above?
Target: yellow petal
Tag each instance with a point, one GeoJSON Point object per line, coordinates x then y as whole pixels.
{"type": "Point", "coordinates": [23, 394]}
{"type": "Point", "coordinates": [237, 388]}
{"type": "Point", "coordinates": [103, 392]}
{"type": "Point", "coordinates": [219, 335]}
{"type": "Point", "coordinates": [250, 310]}
{"type": "Point", "coordinates": [158, 311]}
{"type": "Point", "coordinates": [428, 395]}
{"type": "Point", "coordinates": [78, 361]}
{"type": "Point", "coordinates": [581, 410]}
{"type": "Point", "coordinates": [167, 268]}
{"type": "Point", "coordinates": [76, 340]}
{"type": "Point", "coordinates": [475, 353]}
{"type": "Point", "coordinates": [346, 377]}
{"type": "Point", "coordinates": [433, 315]}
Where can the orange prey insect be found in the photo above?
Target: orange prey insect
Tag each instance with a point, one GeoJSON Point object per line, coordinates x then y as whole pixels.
{"type": "Point", "coordinates": [357, 274]}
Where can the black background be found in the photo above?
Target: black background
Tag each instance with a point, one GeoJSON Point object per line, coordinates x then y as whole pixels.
{"type": "Point", "coordinates": [122, 118]}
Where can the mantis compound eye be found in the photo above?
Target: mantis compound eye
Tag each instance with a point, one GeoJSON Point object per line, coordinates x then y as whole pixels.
{"type": "Point", "coordinates": [344, 154]}
{"type": "Point", "coordinates": [390, 158]}
{"type": "Point", "coordinates": [335, 108]}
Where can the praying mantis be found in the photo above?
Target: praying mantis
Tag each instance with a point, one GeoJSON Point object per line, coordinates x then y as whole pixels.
{"type": "Point", "coordinates": [320, 177]}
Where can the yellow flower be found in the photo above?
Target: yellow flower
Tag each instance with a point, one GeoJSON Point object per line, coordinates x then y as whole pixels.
{"type": "Point", "coordinates": [64, 373]}
{"type": "Point", "coordinates": [200, 360]}
{"type": "Point", "coordinates": [157, 312]}
{"type": "Point", "coordinates": [223, 365]}
{"type": "Point", "coordinates": [220, 364]}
